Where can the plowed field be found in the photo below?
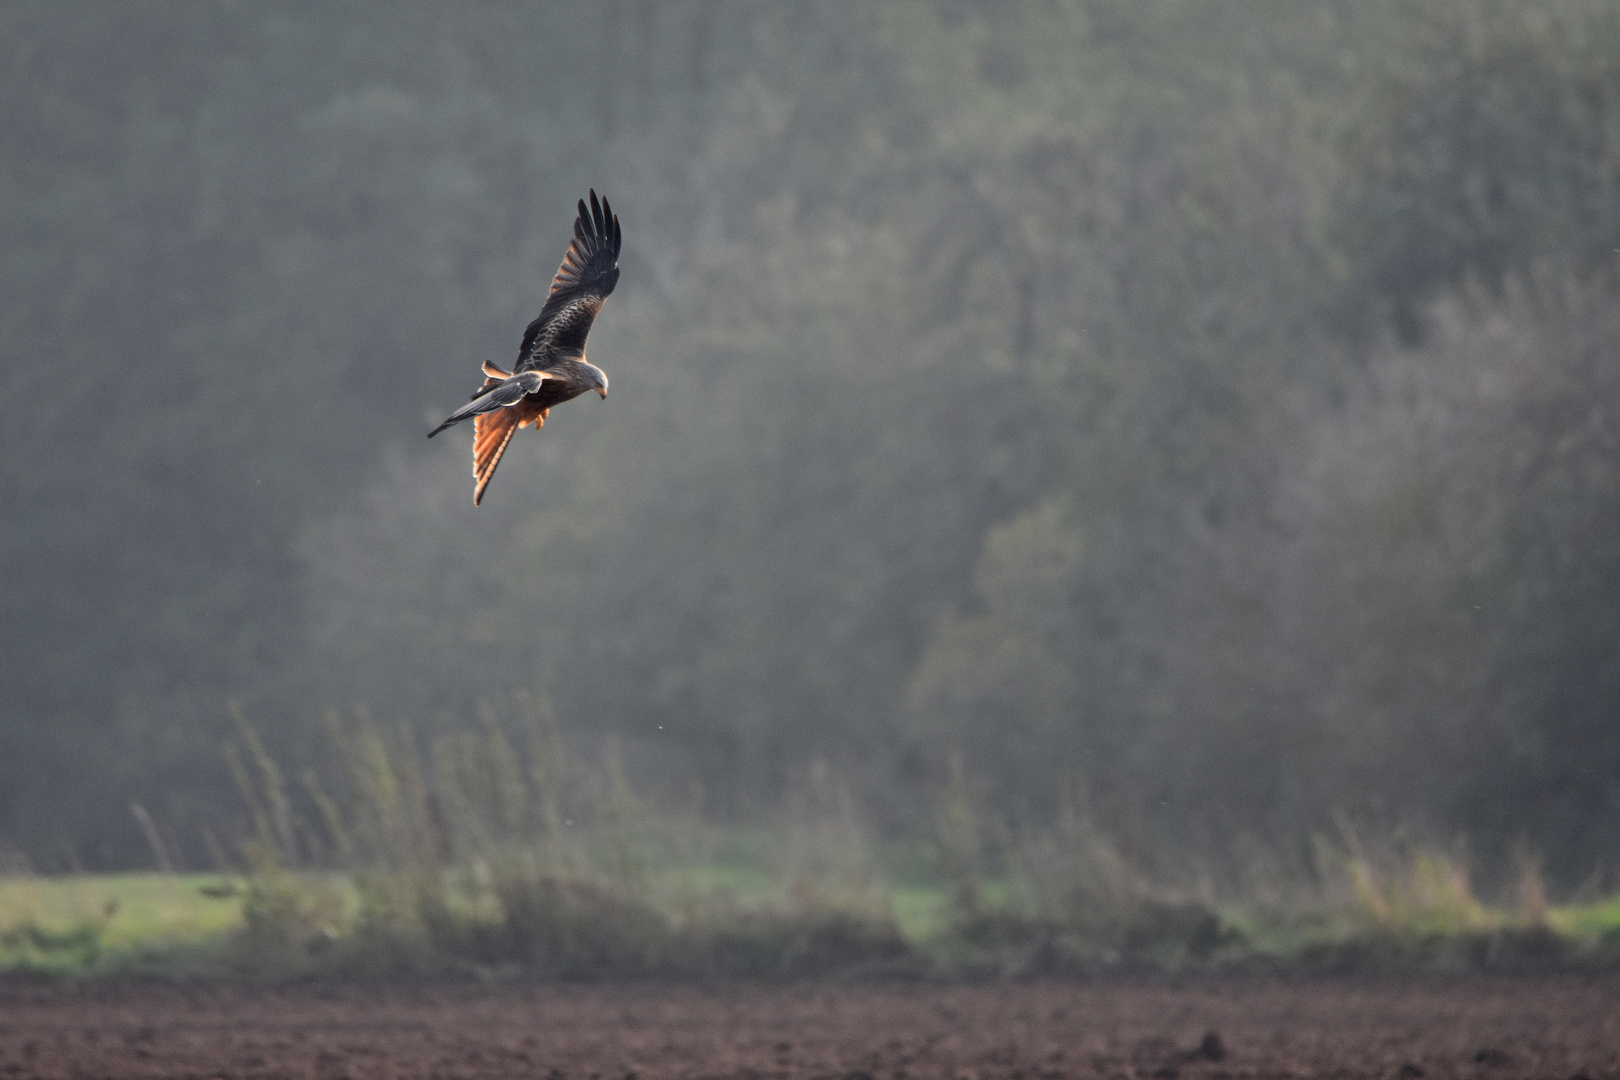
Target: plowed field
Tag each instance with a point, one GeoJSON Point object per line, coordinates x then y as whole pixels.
{"type": "Point", "coordinates": [1491, 1029]}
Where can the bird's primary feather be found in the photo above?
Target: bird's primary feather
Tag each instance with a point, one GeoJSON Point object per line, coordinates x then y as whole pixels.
{"type": "Point", "coordinates": [589, 271]}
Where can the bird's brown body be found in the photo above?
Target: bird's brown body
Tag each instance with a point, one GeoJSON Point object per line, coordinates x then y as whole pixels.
{"type": "Point", "coordinates": [551, 366]}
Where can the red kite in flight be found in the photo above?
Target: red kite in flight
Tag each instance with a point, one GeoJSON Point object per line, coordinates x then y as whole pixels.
{"type": "Point", "coordinates": [551, 365]}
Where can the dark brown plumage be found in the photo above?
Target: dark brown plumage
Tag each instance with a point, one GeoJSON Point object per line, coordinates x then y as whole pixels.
{"type": "Point", "coordinates": [551, 366]}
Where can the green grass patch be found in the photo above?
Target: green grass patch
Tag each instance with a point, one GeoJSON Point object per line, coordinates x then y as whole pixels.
{"type": "Point", "coordinates": [126, 909]}
{"type": "Point", "coordinates": [1597, 921]}
{"type": "Point", "coordinates": [77, 925]}
{"type": "Point", "coordinates": [721, 920]}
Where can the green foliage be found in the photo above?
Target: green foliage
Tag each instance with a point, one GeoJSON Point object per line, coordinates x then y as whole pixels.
{"type": "Point", "coordinates": [804, 944]}
{"type": "Point", "coordinates": [558, 928]}
{"type": "Point", "coordinates": [1489, 142]}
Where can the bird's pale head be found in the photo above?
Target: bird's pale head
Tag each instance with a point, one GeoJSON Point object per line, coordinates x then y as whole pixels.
{"type": "Point", "coordinates": [599, 380]}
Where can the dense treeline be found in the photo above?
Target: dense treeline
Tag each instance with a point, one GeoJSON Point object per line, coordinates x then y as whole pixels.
{"type": "Point", "coordinates": [1210, 408]}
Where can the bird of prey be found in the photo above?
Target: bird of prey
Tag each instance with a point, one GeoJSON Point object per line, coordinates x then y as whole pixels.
{"type": "Point", "coordinates": [551, 366]}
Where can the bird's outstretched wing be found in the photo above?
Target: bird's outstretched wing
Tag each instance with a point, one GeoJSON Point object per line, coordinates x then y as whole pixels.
{"type": "Point", "coordinates": [587, 275]}
{"type": "Point", "coordinates": [495, 394]}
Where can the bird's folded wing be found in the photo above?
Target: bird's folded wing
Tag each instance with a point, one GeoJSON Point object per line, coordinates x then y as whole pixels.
{"type": "Point", "coordinates": [495, 394]}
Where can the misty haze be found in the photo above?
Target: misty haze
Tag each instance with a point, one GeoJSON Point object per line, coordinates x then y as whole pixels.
{"type": "Point", "coordinates": [1088, 452]}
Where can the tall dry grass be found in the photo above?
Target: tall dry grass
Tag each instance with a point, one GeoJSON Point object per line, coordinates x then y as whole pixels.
{"type": "Point", "coordinates": [496, 848]}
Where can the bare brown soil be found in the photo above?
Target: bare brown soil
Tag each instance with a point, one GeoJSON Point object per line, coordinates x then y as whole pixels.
{"type": "Point", "coordinates": [1499, 1029]}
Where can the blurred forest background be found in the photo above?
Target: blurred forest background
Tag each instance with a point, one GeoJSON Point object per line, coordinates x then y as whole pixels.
{"type": "Point", "coordinates": [1208, 413]}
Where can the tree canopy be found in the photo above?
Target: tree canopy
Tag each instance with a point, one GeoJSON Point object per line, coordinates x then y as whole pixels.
{"type": "Point", "coordinates": [1210, 405]}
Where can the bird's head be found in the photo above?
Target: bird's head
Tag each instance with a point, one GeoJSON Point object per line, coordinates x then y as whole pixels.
{"type": "Point", "coordinates": [598, 380]}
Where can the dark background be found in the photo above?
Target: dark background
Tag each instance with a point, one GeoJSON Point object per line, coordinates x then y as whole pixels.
{"type": "Point", "coordinates": [1211, 409]}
